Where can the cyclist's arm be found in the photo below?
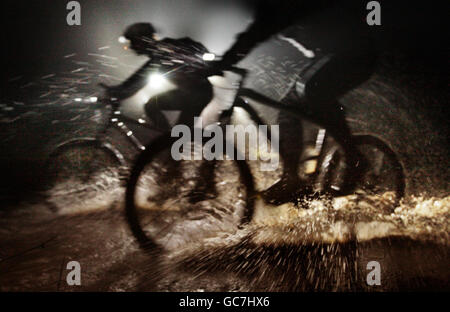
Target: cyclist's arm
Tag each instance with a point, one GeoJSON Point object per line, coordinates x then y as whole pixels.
{"type": "Point", "coordinates": [133, 84]}
{"type": "Point", "coordinates": [271, 17]}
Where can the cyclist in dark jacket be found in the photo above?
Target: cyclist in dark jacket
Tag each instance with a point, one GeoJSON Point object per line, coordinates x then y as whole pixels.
{"type": "Point", "coordinates": [181, 59]}
{"type": "Point", "coordinates": [337, 33]}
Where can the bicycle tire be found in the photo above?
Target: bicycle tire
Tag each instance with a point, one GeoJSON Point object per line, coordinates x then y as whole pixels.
{"type": "Point", "coordinates": [148, 156]}
{"type": "Point", "coordinates": [78, 170]}
{"type": "Point", "coordinates": [397, 173]}
{"type": "Point", "coordinates": [369, 147]}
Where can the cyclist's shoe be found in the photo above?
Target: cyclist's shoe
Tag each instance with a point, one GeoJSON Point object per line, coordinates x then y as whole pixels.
{"type": "Point", "coordinates": [284, 191]}
{"type": "Point", "coordinates": [358, 168]}
{"type": "Point", "coordinates": [364, 176]}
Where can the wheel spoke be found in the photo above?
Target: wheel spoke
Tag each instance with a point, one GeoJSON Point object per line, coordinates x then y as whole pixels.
{"type": "Point", "coordinates": [170, 203]}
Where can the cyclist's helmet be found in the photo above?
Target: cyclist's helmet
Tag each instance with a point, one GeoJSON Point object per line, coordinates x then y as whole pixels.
{"type": "Point", "coordinates": [139, 31]}
{"type": "Point", "coordinates": [138, 36]}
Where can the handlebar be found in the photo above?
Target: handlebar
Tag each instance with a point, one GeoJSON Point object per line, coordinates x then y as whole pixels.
{"type": "Point", "coordinates": [240, 71]}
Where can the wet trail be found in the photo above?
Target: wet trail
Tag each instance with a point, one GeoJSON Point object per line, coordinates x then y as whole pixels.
{"type": "Point", "coordinates": [285, 248]}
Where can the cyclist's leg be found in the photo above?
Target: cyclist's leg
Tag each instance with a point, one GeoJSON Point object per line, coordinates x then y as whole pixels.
{"type": "Point", "coordinates": [332, 116]}
{"type": "Point", "coordinates": [329, 80]}
{"type": "Point", "coordinates": [290, 186]}
{"type": "Point", "coordinates": [167, 101]}
{"type": "Point", "coordinates": [194, 105]}
{"type": "Point", "coordinates": [291, 144]}
{"type": "Point", "coordinates": [172, 100]}
{"type": "Point", "coordinates": [191, 103]}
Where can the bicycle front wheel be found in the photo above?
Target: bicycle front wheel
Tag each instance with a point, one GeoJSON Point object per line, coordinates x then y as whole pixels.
{"type": "Point", "coordinates": [80, 174]}
{"type": "Point", "coordinates": [171, 203]}
{"type": "Point", "coordinates": [378, 171]}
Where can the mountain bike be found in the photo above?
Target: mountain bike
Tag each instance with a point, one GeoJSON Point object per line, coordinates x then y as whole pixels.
{"type": "Point", "coordinates": [171, 220]}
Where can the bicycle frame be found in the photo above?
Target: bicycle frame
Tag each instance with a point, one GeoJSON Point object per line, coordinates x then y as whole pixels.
{"type": "Point", "coordinates": [243, 93]}
{"type": "Point", "coordinates": [119, 121]}
{"type": "Point", "coordinates": [266, 101]}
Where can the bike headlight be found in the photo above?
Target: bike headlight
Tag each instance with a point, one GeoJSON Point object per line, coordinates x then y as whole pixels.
{"type": "Point", "coordinates": [209, 57]}
{"type": "Point", "coordinates": [156, 81]}
{"type": "Point", "coordinates": [124, 41]}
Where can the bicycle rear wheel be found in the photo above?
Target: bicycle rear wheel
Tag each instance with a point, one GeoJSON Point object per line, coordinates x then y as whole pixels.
{"type": "Point", "coordinates": [379, 172]}
{"type": "Point", "coordinates": [383, 171]}
{"type": "Point", "coordinates": [159, 206]}
{"type": "Point", "coordinates": [80, 174]}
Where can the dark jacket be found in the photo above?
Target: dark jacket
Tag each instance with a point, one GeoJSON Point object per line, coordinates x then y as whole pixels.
{"type": "Point", "coordinates": [179, 59]}
{"type": "Point", "coordinates": [342, 19]}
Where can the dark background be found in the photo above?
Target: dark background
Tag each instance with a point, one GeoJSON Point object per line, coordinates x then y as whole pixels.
{"type": "Point", "coordinates": [35, 33]}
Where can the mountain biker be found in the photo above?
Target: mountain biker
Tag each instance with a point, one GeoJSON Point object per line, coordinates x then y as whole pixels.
{"type": "Point", "coordinates": [343, 59]}
{"type": "Point", "coordinates": [180, 59]}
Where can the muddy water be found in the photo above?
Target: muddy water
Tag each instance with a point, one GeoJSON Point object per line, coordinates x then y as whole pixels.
{"type": "Point", "coordinates": [328, 247]}
{"type": "Point", "coordinates": [285, 248]}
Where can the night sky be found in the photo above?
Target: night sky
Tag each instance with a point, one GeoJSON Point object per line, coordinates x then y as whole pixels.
{"type": "Point", "coordinates": [35, 33]}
